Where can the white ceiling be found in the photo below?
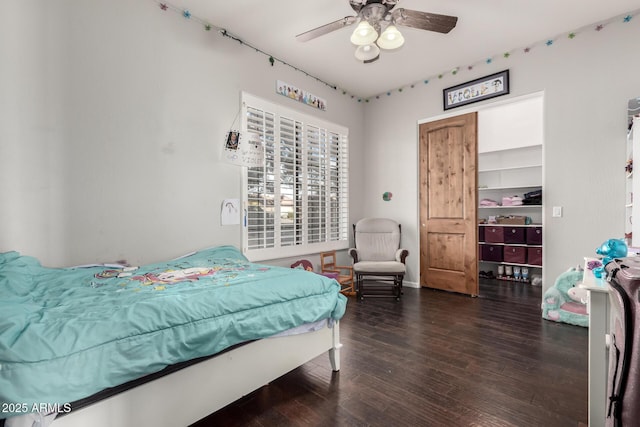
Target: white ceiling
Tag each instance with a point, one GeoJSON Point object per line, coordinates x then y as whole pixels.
{"type": "Point", "coordinates": [485, 28]}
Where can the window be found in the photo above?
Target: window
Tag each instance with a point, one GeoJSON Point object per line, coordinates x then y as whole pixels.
{"type": "Point", "coordinates": [297, 203]}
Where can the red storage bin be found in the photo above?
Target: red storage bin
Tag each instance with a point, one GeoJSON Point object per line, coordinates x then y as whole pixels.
{"type": "Point", "coordinates": [534, 256]}
{"type": "Point", "coordinates": [494, 234]}
{"type": "Point", "coordinates": [515, 235]}
{"type": "Point", "coordinates": [515, 254]}
{"type": "Point", "coordinates": [492, 253]}
{"type": "Point", "coordinates": [534, 236]}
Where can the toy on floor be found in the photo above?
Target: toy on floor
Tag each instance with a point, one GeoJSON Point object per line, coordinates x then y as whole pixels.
{"type": "Point", "coordinates": [565, 301]}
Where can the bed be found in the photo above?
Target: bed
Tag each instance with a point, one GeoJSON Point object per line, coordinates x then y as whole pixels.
{"type": "Point", "coordinates": [70, 333]}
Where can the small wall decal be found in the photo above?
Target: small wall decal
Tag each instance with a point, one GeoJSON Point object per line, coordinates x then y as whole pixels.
{"type": "Point", "coordinates": [386, 196]}
{"type": "Point", "coordinates": [230, 212]}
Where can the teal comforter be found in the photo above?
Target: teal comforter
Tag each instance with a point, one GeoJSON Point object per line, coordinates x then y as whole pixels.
{"type": "Point", "coordinates": [66, 333]}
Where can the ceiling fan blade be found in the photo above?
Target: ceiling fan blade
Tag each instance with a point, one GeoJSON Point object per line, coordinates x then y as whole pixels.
{"type": "Point", "coordinates": [327, 28]}
{"type": "Point", "coordinates": [424, 20]}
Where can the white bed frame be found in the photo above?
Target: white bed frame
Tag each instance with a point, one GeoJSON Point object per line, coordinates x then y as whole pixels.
{"type": "Point", "coordinates": [190, 394]}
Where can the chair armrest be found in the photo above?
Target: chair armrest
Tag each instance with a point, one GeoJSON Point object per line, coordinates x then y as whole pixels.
{"type": "Point", "coordinates": [344, 267]}
{"type": "Point", "coordinates": [354, 254]}
{"type": "Point", "coordinates": [401, 255]}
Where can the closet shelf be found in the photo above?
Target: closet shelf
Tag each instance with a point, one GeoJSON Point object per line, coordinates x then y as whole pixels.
{"type": "Point", "coordinates": [509, 225]}
{"type": "Point", "coordinates": [510, 187]}
{"type": "Point", "coordinates": [518, 172]}
{"type": "Point", "coordinates": [509, 168]}
{"type": "Point", "coordinates": [505, 149]}
{"type": "Point", "coordinates": [510, 207]}
{"type": "Point", "coordinates": [524, 245]}
{"type": "Point", "coordinates": [512, 263]}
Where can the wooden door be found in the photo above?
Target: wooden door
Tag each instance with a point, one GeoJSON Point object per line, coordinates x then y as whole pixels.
{"type": "Point", "coordinates": [448, 201]}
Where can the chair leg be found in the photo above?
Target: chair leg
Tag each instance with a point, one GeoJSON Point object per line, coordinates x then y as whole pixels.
{"type": "Point", "coordinates": [395, 281]}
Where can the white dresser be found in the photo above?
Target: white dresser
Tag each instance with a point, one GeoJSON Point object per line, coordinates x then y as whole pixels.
{"type": "Point", "coordinates": [599, 317]}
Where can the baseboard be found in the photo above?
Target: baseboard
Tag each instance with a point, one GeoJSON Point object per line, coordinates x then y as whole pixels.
{"type": "Point", "coordinates": [408, 284]}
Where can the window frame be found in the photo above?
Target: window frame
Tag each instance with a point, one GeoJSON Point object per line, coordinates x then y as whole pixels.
{"type": "Point", "coordinates": [341, 205]}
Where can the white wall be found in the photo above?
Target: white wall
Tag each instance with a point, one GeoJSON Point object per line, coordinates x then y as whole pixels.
{"type": "Point", "coordinates": [112, 118]}
{"type": "Point", "coordinates": [586, 82]}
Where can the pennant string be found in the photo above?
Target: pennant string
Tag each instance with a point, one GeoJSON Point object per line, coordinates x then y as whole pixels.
{"type": "Point", "coordinates": [550, 42]}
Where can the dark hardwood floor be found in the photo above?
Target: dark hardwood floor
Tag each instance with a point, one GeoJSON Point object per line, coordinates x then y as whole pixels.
{"type": "Point", "coordinates": [434, 359]}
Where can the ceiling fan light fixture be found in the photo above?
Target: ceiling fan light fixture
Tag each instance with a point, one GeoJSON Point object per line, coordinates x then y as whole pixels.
{"type": "Point", "coordinates": [390, 38]}
{"type": "Point", "coordinates": [367, 52]}
{"type": "Point", "coordinates": [364, 34]}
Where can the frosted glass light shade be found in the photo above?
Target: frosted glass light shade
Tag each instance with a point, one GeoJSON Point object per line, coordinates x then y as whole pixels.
{"type": "Point", "coordinates": [364, 34]}
{"type": "Point", "coordinates": [390, 38]}
{"type": "Point", "coordinates": [367, 52]}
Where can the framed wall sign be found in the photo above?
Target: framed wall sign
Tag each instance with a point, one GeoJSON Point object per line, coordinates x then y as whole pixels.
{"type": "Point", "coordinates": [476, 90]}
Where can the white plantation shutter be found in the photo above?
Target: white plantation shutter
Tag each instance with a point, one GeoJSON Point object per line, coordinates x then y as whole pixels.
{"type": "Point", "coordinates": [260, 184]}
{"type": "Point", "coordinates": [338, 178]}
{"type": "Point", "coordinates": [291, 167]}
{"type": "Point", "coordinates": [316, 185]}
{"type": "Point", "coordinates": [297, 202]}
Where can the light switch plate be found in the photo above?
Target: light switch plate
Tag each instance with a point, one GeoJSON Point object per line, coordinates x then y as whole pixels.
{"type": "Point", "coordinates": [557, 212]}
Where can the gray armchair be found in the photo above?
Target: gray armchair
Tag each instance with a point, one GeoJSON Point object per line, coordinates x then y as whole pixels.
{"type": "Point", "coordinates": [377, 257]}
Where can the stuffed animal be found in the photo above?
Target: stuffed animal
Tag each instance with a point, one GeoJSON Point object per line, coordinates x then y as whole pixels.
{"type": "Point", "coordinates": [578, 294]}
{"type": "Point", "coordinates": [565, 301]}
{"type": "Point", "coordinates": [612, 248]}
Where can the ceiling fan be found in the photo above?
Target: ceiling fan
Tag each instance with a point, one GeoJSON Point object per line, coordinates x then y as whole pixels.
{"type": "Point", "coordinates": [377, 20]}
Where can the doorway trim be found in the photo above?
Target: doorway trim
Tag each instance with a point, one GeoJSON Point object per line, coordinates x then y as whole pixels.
{"type": "Point", "coordinates": [475, 109]}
